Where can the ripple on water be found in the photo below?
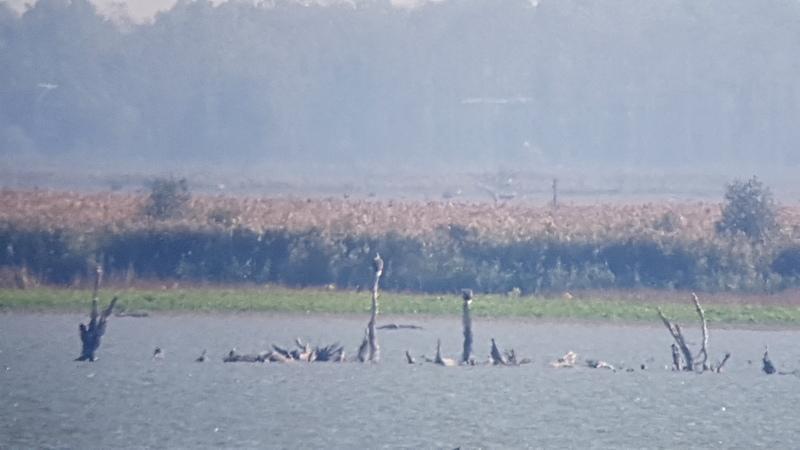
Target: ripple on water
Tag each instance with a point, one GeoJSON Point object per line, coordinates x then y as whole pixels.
{"type": "Point", "coordinates": [128, 400]}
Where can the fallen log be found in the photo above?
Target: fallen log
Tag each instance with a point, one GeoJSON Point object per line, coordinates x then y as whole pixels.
{"type": "Point", "coordinates": [247, 357]}
{"type": "Point", "coordinates": [394, 326]}
{"type": "Point", "coordinates": [92, 333]}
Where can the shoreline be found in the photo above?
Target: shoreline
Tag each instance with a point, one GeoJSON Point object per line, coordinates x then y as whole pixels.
{"type": "Point", "coordinates": [592, 310]}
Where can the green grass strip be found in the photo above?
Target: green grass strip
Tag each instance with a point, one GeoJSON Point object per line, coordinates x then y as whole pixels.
{"type": "Point", "coordinates": [343, 302]}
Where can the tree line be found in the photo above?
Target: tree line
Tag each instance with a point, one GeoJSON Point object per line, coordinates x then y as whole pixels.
{"type": "Point", "coordinates": [527, 82]}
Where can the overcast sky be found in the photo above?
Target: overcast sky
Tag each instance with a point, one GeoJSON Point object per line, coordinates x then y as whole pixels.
{"type": "Point", "coordinates": [143, 9]}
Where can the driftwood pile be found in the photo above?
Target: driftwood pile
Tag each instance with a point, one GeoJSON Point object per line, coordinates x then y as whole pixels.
{"type": "Point", "coordinates": [303, 353]}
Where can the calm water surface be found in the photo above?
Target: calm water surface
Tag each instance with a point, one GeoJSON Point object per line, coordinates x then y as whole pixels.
{"type": "Point", "coordinates": [126, 399]}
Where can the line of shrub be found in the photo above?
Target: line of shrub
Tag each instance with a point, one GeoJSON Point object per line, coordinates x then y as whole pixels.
{"type": "Point", "coordinates": [451, 259]}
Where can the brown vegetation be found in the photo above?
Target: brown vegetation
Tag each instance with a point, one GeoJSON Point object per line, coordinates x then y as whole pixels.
{"type": "Point", "coordinates": [502, 222]}
{"type": "Point", "coordinates": [430, 246]}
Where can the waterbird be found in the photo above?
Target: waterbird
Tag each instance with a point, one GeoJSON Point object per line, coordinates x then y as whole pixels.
{"type": "Point", "coordinates": [158, 353]}
{"type": "Point", "coordinates": [202, 357]}
{"type": "Point", "coordinates": [767, 367]}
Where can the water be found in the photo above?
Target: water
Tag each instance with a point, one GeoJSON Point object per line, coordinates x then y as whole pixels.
{"type": "Point", "coordinates": [126, 399]}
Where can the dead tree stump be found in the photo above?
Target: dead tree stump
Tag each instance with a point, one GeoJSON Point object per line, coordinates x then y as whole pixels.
{"type": "Point", "coordinates": [363, 349]}
{"type": "Point", "coordinates": [94, 331]}
{"type": "Point", "coordinates": [466, 354]}
{"type": "Point", "coordinates": [495, 356]}
{"type": "Point", "coordinates": [439, 359]}
{"type": "Point", "coordinates": [374, 349]}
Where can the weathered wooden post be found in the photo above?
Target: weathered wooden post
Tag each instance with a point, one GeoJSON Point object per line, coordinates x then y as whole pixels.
{"type": "Point", "coordinates": [466, 354]}
{"type": "Point", "coordinates": [91, 334]}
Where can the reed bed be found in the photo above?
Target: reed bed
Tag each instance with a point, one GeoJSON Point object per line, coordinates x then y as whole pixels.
{"type": "Point", "coordinates": [432, 246]}
{"type": "Point", "coordinates": [501, 222]}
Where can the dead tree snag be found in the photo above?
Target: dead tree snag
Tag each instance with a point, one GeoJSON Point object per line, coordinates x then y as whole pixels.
{"type": "Point", "coordinates": [682, 357]}
{"type": "Point", "coordinates": [466, 354]}
{"type": "Point", "coordinates": [94, 331]}
{"type": "Point", "coordinates": [374, 350]}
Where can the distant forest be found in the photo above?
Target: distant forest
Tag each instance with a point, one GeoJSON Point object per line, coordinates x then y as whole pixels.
{"type": "Point", "coordinates": [641, 83]}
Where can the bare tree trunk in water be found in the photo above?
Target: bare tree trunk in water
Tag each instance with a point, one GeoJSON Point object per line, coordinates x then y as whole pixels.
{"type": "Point", "coordinates": [466, 355]}
{"type": "Point", "coordinates": [91, 334]}
{"type": "Point", "coordinates": [704, 327]}
{"type": "Point", "coordinates": [677, 335]}
{"type": "Point", "coordinates": [363, 349]}
{"type": "Point", "coordinates": [374, 349]}
{"type": "Point", "coordinates": [719, 367]}
{"type": "Point", "coordinates": [690, 362]}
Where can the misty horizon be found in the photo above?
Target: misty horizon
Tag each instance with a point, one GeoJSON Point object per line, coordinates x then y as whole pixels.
{"type": "Point", "coordinates": [456, 86]}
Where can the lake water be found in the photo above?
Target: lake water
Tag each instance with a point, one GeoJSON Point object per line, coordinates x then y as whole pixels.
{"type": "Point", "coordinates": [127, 399]}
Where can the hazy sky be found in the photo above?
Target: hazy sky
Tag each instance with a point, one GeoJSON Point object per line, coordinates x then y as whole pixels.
{"type": "Point", "coordinates": [142, 9]}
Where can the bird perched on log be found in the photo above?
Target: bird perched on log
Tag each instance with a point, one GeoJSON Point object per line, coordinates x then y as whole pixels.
{"type": "Point", "coordinates": [377, 264]}
{"type": "Point", "coordinates": [767, 366]}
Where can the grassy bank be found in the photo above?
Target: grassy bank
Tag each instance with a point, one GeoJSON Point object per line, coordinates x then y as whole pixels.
{"type": "Point", "coordinates": [345, 302]}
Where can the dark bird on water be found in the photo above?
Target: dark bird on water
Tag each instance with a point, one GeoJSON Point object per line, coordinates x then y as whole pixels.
{"type": "Point", "coordinates": [202, 357]}
{"type": "Point", "coordinates": [767, 367]}
{"type": "Point", "coordinates": [158, 353]}
{"type": "Point", "coordinates": [377, 263]}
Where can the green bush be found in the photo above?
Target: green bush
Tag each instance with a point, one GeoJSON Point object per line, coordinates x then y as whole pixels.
{"type": "Point", "coordinates": [168, 198]}
{"type": "Point", "coordinates": [749, 209]}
